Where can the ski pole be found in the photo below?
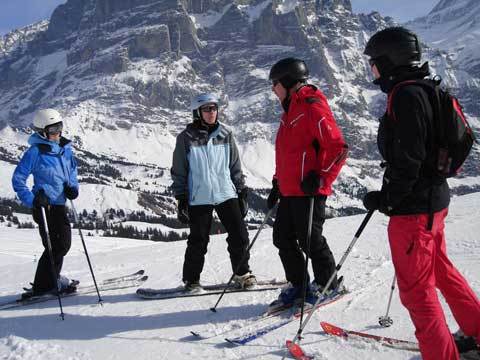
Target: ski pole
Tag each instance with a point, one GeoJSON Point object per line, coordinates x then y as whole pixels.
{"type": "Point", "coordinates": [52, 262]}
{"type": "Point", "coordinates": [267, 216]}
{"type": "Point", "coordinates": [75, 214]}
{"type": "Point", "coordinates": [386, 321]}
{"type": "Point", "coordinates": [307, 256]}
{"type": "Point", "coordinates": [337, 269]}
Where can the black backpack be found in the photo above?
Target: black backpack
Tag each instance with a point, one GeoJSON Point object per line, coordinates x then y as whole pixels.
{"type": "Point", "coordinates": [454, 137]}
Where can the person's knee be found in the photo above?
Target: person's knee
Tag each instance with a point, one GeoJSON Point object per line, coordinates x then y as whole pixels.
{"type": "Point", "coordinates": [62, 251]}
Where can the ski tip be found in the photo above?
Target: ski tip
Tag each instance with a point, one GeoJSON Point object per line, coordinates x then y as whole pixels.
{"type": "Point", "coordinates": [144, 278]}
{"type": "Point", "coordinates": [332, 329]}
{"type": "Point", "coordinates": [296, 351]}
{"type": "Point", "coordinates": [140, 272]}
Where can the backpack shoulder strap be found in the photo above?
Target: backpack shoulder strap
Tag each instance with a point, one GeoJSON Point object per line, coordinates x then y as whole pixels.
{"type": "Point", "coordinates": [424, 83]}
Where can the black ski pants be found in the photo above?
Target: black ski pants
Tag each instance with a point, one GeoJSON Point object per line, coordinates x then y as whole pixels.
{"type": "Point", "coordinates": [200, 223]}
{"type": "Point", "coordinates": [290, 237]}
{"type": "Point", "coordinates": [61, 240]}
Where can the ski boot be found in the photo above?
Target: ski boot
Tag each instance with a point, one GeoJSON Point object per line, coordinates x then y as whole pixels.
{"type": "Point", "coordinates": [192, 287]}
{"type": "Point", "coordinates": [245, 281]}
{"type": "Point", "coordinates": [467, 346]}
{"type": "Point", "coordinates": [288, 297]}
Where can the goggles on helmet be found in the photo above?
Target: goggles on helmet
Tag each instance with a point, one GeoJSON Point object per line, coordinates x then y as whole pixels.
{"type": "Point", "coordinates": [54, 128]}
{"type": "Point", "coordinates": [209, 108]}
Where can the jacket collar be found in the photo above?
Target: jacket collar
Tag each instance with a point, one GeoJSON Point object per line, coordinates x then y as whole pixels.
{"type": "Point", "coordinates": [302, 92]}
{"type": "Point", "coordinates": [205, 130]}
{"type": "Point", "coordinates": [49, 146]}
{"type": "Point", "coordinates": [388, 83]}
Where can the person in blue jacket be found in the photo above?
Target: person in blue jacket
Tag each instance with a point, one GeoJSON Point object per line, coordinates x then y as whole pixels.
{"type": "Point", "coordinates": [207, 175]}
{"type": "Point", "coordinates": [51, 162]}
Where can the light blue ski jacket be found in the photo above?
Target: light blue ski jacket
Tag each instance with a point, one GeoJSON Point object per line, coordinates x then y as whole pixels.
{"type": "Point", "coordinates": [206, 167]}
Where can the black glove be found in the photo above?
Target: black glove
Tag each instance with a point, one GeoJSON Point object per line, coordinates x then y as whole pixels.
{"type": "Point", "coordinates": [40, 199]}
{"type": "Point", "coordinates": [242, 201]}
{"type": "Point", "coordinates": [71, 193]}
{"type": "Point", "coordinates": [373, 200]}
{"type": "Point", "coordinates": [311, 183]}
{"type": "Point", "coordinates": [274, 195]}
{"type": "Point", "coordinates": [182, 213]}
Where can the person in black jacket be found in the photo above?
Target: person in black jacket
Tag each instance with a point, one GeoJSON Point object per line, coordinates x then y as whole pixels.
{"type": "Point", "coordinates": [416, 199]}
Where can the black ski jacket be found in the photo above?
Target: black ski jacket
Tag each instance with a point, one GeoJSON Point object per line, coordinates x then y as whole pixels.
{"type": "Point", "coordinates": [405, 141]}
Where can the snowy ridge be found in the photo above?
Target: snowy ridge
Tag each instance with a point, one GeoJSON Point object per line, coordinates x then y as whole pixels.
{"type": "Point", "coordinates": [10, 41]}
{"type": "Point", "coordinates": [127, 327]}
{"type": "Point", "coordinates": [453, 26]}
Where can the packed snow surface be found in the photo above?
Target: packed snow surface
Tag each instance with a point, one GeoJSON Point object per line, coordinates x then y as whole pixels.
{"type": "Point", "coordinates": [127, 327]}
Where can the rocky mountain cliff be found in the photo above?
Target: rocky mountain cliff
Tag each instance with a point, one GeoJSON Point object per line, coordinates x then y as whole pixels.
{"type": "Point", "coordinates": [122, 73]}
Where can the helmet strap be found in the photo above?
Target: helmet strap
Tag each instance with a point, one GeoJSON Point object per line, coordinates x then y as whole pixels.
{"type": "Point", "coordinates": [286, 102]}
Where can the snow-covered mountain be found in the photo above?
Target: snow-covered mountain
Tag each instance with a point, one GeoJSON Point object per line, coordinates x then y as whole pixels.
{"type": "Point", "coordinates": [453, 27]}
{"type": "Point", "coordinates": [122, 73]}
{"type": "Point", "coordinates": [129, 328]}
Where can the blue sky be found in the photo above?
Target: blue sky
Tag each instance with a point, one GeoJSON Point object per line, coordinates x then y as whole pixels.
{"type": "Point", "coordinates": [402, 11]}
{"type": "Point", "coordinates": [18, 13]}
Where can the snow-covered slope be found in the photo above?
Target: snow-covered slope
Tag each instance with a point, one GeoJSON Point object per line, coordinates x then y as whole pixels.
{"type": "Point", "coordinates": [129, 328]}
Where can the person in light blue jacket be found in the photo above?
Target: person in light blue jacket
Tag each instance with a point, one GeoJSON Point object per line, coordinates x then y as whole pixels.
{"type": "Point", "coordinates": [51, 162]}
{"type": "Point", "coordinates": [207, 175]}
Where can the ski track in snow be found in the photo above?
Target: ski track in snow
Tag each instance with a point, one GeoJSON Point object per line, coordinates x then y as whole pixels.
{"type": "Point", "coordinates": [127, 327]}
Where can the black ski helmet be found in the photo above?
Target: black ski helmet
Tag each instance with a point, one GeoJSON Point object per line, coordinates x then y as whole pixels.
{"type": "Point", "coordinates": [392, 48]}
{"type": "Point", "coordinates": [289, 71]}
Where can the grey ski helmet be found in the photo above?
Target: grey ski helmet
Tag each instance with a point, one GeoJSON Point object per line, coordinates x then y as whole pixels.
{"type": "Point", "coordinates": [200, 100]}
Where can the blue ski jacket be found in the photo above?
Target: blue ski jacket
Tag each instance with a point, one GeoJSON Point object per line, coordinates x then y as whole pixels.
{"type": "Point", "coordinates": [52, 165]}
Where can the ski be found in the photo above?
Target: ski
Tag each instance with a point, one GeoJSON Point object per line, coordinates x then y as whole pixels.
{"type": "Point", "coordinates": [116, 283]}
{"type": "Point", "coordinates": [134, 275]}
{"type": "Point", "coordinates": [160, 294]}
{"type": "Point", "coordinates": [256, 329]}
{"type": "Point", "coordinates": [297, 352]}
{"type": "Point", "coordinates": [390, 342]}
{"type": "Point", "coordinates": [257, 320]}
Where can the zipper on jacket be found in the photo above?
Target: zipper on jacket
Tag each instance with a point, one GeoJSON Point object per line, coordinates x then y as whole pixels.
{"type": "Point", "coordinates": [303, 163]}
{"type": "Point", "coordinates": [209, 170]}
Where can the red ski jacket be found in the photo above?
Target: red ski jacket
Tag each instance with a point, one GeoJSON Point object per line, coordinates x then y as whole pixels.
{"type": "Point", "coordinates": [308, 139]}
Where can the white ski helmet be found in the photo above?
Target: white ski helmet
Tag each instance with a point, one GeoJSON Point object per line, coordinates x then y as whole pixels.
{"type": "Point", "coordinates": [200, 100]}
{"type": "Point", "coordinates": [44, 118]}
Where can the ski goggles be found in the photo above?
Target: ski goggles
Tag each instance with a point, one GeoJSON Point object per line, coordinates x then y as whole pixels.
{"type": "Point", "coordinates": [209, 108]}
{"type": "Point", "coordinates": [54, 128]}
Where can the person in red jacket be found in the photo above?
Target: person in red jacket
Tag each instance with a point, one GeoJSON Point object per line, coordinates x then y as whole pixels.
{"type": "Point", "coordinates": [309, 153]}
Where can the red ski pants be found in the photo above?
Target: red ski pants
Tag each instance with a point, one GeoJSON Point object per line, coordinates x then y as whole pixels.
{"type": "Point", "coordinates": [421, 264]}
